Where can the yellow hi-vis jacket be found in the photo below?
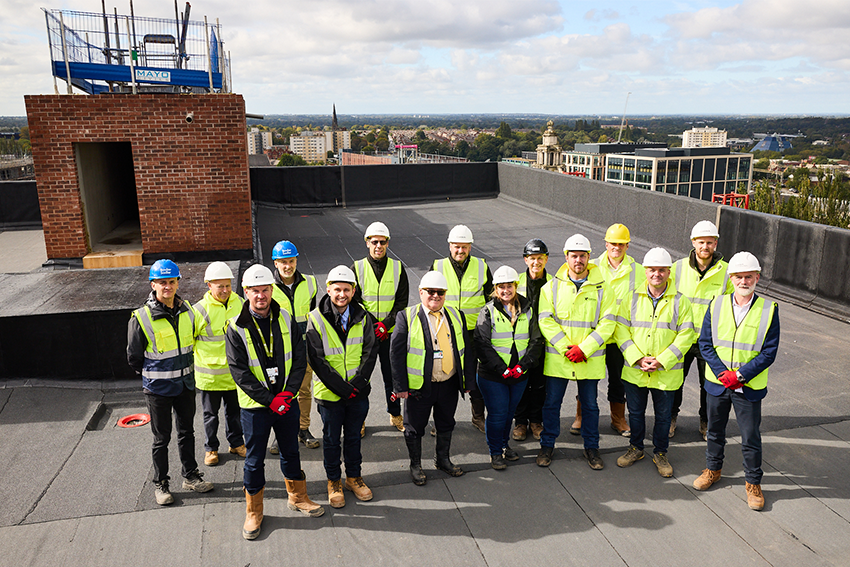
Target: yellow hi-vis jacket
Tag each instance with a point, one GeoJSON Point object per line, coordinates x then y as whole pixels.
{"type": "Point", "coordinates": [378, 298]}
{"type": "Point", "coordinates": [503, 335]}
{"type": "Point", "coordinates": [211, 370]}
{"type": "Point", "coordinates": [666, 333]}
{"type": "Point", "coordinates": [736, 345]}
{"type": "Point", "coordinates": [568, 317]}
{"type": "Point", "coordinates": [700, 292]}
{"type": "Point", "coordinates": [284, 322]}
{"type": "Point", "coordinates": [344, 359]}
{"type": "Point", "coordinates": [416, 345]}
{"type": "Point", "coordinates": [466, 295]}
{"type": "Point", "coordinates": [305, 291]}
{"type": "Point", "coordinates": [623, 282]}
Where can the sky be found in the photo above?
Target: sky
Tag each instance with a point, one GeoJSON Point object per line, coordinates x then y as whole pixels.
{"type": "Point", "coordinates": [514, 56]}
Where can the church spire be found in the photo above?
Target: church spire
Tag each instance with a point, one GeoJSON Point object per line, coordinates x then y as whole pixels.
{"type": "Point", "coordinates": [334, 123]}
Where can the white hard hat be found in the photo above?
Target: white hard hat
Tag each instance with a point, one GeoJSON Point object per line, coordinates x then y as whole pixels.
{"type": "Point", "coordinates": [218, 271]}
{"type": "Point", "coordinates": [461, 234]}
{"type": "Point", "coordinates": [657, 258]}
{"type": "Point", "coordinates": [577, 243]}
{"type": "Point", "coordinates": [505, 274]}
{"type": "Point", "coordinates": [377, 229]}
{"type": "Point", "coordinates": [257, 275]}
{"type": "Point", "coordinates": [704, 228]}
{"type": "Point", "coordinates": [743, 262]}
{"type": "Point", "coordinates": [433, 280]}
{"type": "Point", "coordinates": [341, 274]}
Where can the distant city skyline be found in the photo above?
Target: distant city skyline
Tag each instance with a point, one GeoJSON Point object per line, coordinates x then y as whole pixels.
{"type": "Point", "coordinates": [537, 56]}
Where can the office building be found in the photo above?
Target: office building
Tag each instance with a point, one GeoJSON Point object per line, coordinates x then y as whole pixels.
{"type": "Point", "coordinates": [695, 172]}
{"type": "Point", "coordinates": [703, 138]}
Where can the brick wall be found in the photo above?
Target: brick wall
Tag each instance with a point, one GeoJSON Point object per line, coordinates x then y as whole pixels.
{"type": "Point", "coordinates": [191, 179]}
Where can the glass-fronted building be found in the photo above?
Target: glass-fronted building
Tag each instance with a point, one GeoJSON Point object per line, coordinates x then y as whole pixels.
{"type": "Point", "coordinates": [692, 172]}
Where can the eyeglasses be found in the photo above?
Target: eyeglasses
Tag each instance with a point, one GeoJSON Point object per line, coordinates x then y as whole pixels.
{"type": "Point", "coordinates": [378, 242]}
{"type": "Point", "coordinates": [440, 292]}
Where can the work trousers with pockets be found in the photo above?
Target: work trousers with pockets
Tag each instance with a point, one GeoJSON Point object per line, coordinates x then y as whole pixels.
{"type": "Point", "coordinates": [160, 409]}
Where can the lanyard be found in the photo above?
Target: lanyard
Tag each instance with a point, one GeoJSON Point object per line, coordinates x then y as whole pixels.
{"type": "Point", "coordinates": [269, 349]}
{"type": "Point", "coordinates": [435, 332]}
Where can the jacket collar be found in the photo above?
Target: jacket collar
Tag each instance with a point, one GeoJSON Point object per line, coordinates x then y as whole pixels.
{"type": "Point", "coordinates": [158, 310]}
{"type": "Point", "coordinates": [244, 318]}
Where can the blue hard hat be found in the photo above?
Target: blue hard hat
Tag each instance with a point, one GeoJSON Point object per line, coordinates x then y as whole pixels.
{"type": "Point", "coordinates": [284, 249]}
{"type": "Point", "coordinates": [164, 269]}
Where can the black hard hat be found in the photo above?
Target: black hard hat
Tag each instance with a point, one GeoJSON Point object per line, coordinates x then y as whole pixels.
{"type": "Point", "coordinates": [535, 246]}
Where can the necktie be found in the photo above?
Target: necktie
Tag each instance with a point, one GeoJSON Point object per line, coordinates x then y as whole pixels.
{"type": "Point", "coordinates": [445, 343]}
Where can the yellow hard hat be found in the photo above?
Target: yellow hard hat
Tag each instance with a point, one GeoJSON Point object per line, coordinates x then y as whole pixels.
{"type": "Point", "coordinates": [618, 234]}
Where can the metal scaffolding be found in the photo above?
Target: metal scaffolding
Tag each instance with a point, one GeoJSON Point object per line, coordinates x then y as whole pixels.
{"type": "Point", "coordinates": [117, 53]}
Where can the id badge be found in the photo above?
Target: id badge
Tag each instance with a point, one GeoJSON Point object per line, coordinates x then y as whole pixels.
{"type": "Point", "coordinates": [272, 374]}
{"type": "Point", "coordinates": [438, 354]}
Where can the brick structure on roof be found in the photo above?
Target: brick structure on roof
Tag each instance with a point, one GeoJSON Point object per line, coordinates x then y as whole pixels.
{"type": "Point", "coordinates": [191, 177]}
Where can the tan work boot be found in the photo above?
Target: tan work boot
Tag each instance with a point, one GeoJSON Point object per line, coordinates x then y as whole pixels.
{"type": "Point", "coordinates": [240, 451]}
{"type": "Point", "coordinates": [520, 432]}
{"type": "Point", "coordinates": [575, 428]}
{"type": "Point", "coordinates": [618, 420]}
{"type": "Point", "coordinates": [706, 479]}
{"type": "Point", "coordinates": [397, 421]}
{"type": "Point", "coordinates": [253, 514]}
{"type": "Point", "coordinates": [358, 487]}
{"type": "Point", "coordinates": [298, 499]}
{"type": "Point", "coordinates": [478, 414]}
{"type": "Point", "coordinates": [211, 458]}
{"type": "Point", "coordinates": [703, 429]}
{"type": "Point", "coordinates": [755, 498]}
{"type": "Point", "coordinates": [363, 430]}
{"type": "Point", "coordinates": [672, 427]}
{"type": "Point", "coordinates": [536, 429]}
{"type": "Point", "coordinates": [335, 496]}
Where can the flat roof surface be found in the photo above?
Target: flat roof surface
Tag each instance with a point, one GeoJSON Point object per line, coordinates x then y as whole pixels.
{"type": "Point", "coordinates": [76, 491]}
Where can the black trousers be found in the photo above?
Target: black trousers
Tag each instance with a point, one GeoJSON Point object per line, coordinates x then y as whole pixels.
{"type": "Point", "coordinates": [160, 408]}
{"type": "Point", "coordinates": [442, 400]}
{"type": "Point", "coordinates": [211, 403]}
{"type": "Point", "coordinates": [393, 407]}
{"type": "Point", "coordinates": [530, 408]}
{"type": "Point", "coordinates": [690, 356]}
{"type": "Point", "coordinates": [614, 364]}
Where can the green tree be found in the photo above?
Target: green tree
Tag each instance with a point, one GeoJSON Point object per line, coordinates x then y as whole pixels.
{"type": "Point", "coordinates": [289, 160]}
{"type": "Point", "coordinates": [462, 148]}
{"type": "Point", "coordinates": [504, 131]}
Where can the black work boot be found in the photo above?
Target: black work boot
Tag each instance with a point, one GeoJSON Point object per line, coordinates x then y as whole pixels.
{"type": "Point", "coordinates": [414, 450]}
{"type": "Point", "coordinates": [442, 460]}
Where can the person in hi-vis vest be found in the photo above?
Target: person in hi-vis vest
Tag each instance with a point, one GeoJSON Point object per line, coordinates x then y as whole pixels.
{"type": "Point", "coordinates": [739, 341]}
{"type": "Point", "coordinates": [342, 349]}
{"type": "Point", "coordinates": [470, 283]}
{"type": "Point", "coordinates": [431, 364]}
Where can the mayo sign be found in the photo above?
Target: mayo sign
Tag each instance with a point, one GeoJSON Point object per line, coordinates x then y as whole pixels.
{"type": "Point", "coordinates": [149, 76]}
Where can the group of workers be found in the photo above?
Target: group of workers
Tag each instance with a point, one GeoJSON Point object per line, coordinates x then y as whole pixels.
{"type": "Point", "coordinates": [511, 341]}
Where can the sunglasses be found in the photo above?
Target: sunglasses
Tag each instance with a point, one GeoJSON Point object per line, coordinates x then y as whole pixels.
{"type": "Point", "coordinates": [440, 292]}
{"type": "Point", "coordinates": [378, 242]}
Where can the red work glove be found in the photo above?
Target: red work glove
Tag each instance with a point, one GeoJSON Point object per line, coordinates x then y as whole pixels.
{"type": "Point", "coordinates": [575, 354]}
{"type": "Point", "coordinates": [729, 378]}
{"type": "Point", "coordinates": [517, 371]}
{"type": "Point", "coordinates": [353, 394]}
{"type": "Point", "coordinates": [381, 332]}
{"type": "Point", "coordinates": [281, 402]}
{"type": "Point", "coordinates": [508, 373]}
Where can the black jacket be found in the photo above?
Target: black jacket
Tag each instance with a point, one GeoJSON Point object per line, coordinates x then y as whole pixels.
{"type": "Point", "coordinates": [237, 357]}
{"type": "Point", "coordinates": [491, 366]}
{"type": "Point", "coordinates": [324, 372]}
{"type": "Point", "coordinates": [398, 355]}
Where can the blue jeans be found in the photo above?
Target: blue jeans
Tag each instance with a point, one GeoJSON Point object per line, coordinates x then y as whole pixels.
{"type": "Point", "coordinates": [662, 403]}
{"type": "Point", "coordinates": [749, 421]}
{"type": "Point", "coordinates": [341, 436]}
{"type": "Point", "coordinates": [555, 390]}
{"type": "Point", "coordinates": [257, 425]}
{"type": "Point", "coordinates": [501, 401]}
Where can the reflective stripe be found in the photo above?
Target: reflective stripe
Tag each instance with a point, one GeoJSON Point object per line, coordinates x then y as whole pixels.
{"type": "Point", "coordinates": [166, 374]}
{"type": "Point", "coordinates": [629, 343]}
{"type": "Point", "coordinates": [206, 316]}
{"type": "Point", "coordinates": [216, 371]}
{"type": "Point", "coordinates": [319, 321]}
{"type": "Point", "coordinates": [206, 338]}
{"type": "Point", "coordinates": [675, 351]}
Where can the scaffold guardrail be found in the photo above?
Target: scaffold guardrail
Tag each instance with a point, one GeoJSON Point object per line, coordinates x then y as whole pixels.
{"type": "Point", "coordinates": [117, 53]}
